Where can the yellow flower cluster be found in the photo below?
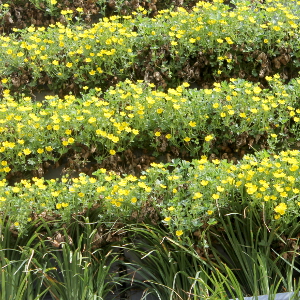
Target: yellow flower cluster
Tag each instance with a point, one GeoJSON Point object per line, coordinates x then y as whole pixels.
{"type": "Point", "coordinates": [184, 200]}
{"type": "Point", "coordinates": [98, 51]}
{"type": "Point", "coordinates": [34, 131]}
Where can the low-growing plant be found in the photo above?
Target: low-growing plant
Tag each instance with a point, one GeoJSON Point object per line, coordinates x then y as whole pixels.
{"type": "Point", "coordinates": [4, 9]}
{"type": "Point", "coordinates": [250, 41]}
{"type": "Point", "coordinates": [129, 115]}
{"type": "Point", "coordinates": [49, 6]}
{"type": "Point", "coordinates": [185, 199]}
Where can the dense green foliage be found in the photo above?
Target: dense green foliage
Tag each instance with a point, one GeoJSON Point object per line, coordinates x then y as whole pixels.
{"type": "Point", "coordinates": [218, 218]}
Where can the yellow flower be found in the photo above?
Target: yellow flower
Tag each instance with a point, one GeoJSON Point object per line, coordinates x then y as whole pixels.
{"type": "Point", "coordinates": [216, 161]}
{"type": "Point", "coordinates": [187, 139]}
{"type": "Point", "coordinates": [167, 219]}
{"type": "Point", "coordinates": [204, 182]}
{"type": "Point", "coordinates": [229, 40]}
{"type": "Point", "coordinates": [208, 91]}
{"type": "Point", "coordinates": [157, 133]}
{"type": "Point", "coordinates": [280, 208]}
{"type": "Point", "coordinates": [92, 120]}
{"type": "Point", "coordinates": [112, 152]}
{"type": "Point", "coordinates": [58, 206]}
{"type": "Point", "coordinates": [159, 110]}
{"type": "Point", "coordinates": [209, 212]}
{"type": "Point", "coordinates": [208, 138]}
{"type": "Point", "coordinates": [192, 124]}
{"type": "Point", "coordinates": [198, 195]}
{"type": "Point", "coordinates": [15, 189]}
{"type": "Point", "coordinates": [69, 65]}
{"type": "Point", "coordinates": [27, 151]}
{"type": "Point", "coordinates": [133, 200]}
{"type": "Point", "coordinates": [215, 196]}
{"type": "Point", "coordinates": [179, 233]}
{"type": "Point", "coordinates": [49, 148]}
{"type": "Point", "coordinates": [220, 189]}
{"type": "Point", "coordinates": [6, 169]}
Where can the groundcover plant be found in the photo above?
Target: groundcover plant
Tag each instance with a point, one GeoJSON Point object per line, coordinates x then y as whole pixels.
{"type": "Point", "coordinates": [180, 192]}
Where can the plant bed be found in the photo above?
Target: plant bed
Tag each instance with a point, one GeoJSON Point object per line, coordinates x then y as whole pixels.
{"type": "Point", "coordinates": [131, 181]}
{"type": "Point", "coordinates": [174, 197]}
{"type": "Point", "coordinates": [166, 50]}
{"type": "Point", "coordinates": [224, 122]}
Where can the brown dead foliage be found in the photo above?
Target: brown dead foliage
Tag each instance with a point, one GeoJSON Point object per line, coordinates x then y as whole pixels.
{"type": "Point", "coordinates": [24, 13]}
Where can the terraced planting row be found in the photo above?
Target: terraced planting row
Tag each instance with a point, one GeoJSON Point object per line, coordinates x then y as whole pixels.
{"type": "Point", "coordinates": [207, 44]}
{"type": "Point", "coordinates": [238, 115]}
{"type": "Point", "coordinates": [184, 196]}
